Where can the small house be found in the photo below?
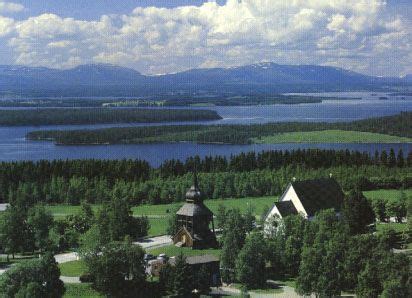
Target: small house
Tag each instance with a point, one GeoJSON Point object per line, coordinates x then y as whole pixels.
{"type": "Point", "coordinates": [195, 263]}
{"type": "Point", "coordinates": [211, 263]}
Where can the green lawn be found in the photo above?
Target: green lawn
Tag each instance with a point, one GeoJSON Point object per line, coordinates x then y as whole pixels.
{"type": "Point", "coordinates": [399, 227]}
{"type": "Point", "coordinates": [270, 289]}
{"type": "Point", "coordinates": [161, 210]}
{"type": "Point", "coordinates": [158, 226]}
{"type": "Point", "coordinates": [243, 204]}
{"type": "Point", "coordinates": [81, 290]}
{"type": "Point", "coordinates": [73, 268]}
{"type": "Point", "coordinates": [388, 194]}
{"type": "Point", "coordinates": [172, 250]}
{"type": "Point", "coordinates": [159, 214]}
{"type": "Point", "coordinates": [290, 282]}
{"type": "Point", "coordinates": [330, 136]}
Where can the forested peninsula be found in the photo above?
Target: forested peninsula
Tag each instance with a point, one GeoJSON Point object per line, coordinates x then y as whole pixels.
{"type": "Point", "coordinates": [66, 116]}
{"type": "Point", "coordinates": [180, 100]}
{"type": "Point", "coordinates": [389, 129]}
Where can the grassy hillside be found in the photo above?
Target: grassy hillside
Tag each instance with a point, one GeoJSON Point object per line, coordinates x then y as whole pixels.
{"type": "Point", "coordinates": [330, 136]}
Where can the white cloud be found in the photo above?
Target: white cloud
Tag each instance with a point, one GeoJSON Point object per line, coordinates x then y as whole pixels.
{"type": "Point", "coordinates": [10, 7]}
{"type": "Point", "coordinates": [6, 26]}
{"type": "Point", "coordinates": [349, 33]}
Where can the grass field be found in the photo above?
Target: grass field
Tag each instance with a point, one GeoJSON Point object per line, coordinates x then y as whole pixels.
{"type": "Point", "coordinates": [172, 250]}
{"type": "Point", "coordinates": [388, 194]}
{"type": "Point", "coordinates": [258, 204]}
{"type": "Point", "coordinates": [81, 290]}
{"type": "Point", "coordinates": [159, 214]}
{"type": "Point", "coordinates": [331, 136]}
{"type": "Point", "coordinates": [73, 268]}
{"type": "Point", "coordinates": [398, 227]}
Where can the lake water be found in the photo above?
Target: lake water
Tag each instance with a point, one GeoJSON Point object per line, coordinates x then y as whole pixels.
{"type": "Point", "coordinates": [14, 146]}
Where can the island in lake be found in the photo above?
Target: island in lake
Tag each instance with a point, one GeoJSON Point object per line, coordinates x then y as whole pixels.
{"type": "Point", "coordinates": [100, 116]}
{"type": "Point", "coordinates": [389, 129]}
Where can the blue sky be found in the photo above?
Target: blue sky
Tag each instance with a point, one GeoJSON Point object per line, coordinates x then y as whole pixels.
{"type": "Point", "coordinates": [163, 36]}
{"type": "Point", "coordinates": [93, 9]}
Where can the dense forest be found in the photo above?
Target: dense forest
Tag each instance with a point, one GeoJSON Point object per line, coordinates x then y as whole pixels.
{"type": "Point", "coordinates": [243, 175]}
{"type": "Point", "coordinates": [100, 115]}
{"type": "Point", "coordinates": [397, 125]}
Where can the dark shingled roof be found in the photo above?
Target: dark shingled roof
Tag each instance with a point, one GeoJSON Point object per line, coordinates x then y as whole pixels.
{"type": "Point", "coordinates": [193, 209]}
{"type": "Point", "coordinates": [319, 194]}
{"type": "Point", "coordinates": [286, 208]}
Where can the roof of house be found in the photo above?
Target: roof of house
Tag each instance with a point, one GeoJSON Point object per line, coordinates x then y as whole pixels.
{"type": "Point", "coordinates": [319, 194]}
{"type": "Point", "coordinates": [286, 208]}
{"type": "Point", "coordinates": [194, 209]}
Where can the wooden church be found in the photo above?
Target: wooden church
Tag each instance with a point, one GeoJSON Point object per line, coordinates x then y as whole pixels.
{"type": "Point", "coordinates": [194, 220]}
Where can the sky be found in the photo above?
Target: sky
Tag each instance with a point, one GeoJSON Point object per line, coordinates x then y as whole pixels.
{"type": "Point", "coordinates": [166, 36]}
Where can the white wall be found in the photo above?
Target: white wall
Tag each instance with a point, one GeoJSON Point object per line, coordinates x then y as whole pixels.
{"type": "Point", "coordinates": [290, 195]}
{"type": "Point", "coordinates": [274, 211]}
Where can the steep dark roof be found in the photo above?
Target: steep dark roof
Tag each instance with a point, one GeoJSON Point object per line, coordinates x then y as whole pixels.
{"type": "Point", "coordinates": [286, 208]}
{"type": "Point", "coordinates": [319, 194]}
{"type": "Point", "coordinates": [193, 209]}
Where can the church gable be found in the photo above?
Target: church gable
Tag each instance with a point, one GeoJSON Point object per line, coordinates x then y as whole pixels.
{"type": "Point", "coordinates": [291, 195]}
{"type": "Point", "coordinates": [319, 194]}
{"type": "Point", "coordinates": [308, 197]}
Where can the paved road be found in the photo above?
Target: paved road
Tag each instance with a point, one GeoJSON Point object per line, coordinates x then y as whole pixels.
{"type": "Point", "coordinates": [288, 292]}
{"type": "Point", "coordinates": [66, 257]}
{"type": "Point", "coordinates": [3, 207]}
{"type": "Point", "coordinates": [155, 242]}
{"type": "Point", "coordinates": [70, 279]}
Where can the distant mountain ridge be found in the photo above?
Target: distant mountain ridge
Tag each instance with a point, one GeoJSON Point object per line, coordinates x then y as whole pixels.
{"type": "Point", "coordinates": [110, 80]}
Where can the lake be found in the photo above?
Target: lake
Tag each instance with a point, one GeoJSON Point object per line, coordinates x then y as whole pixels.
{"type": "Point", "coordinates": [14, 146]}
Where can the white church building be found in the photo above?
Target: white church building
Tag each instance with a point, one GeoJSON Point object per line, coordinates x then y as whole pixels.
{"type": "Point", "coordinates": [307, 197]}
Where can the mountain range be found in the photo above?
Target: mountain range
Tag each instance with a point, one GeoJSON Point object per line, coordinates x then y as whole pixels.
{"type": "Point", "coordinates": [115, 81]}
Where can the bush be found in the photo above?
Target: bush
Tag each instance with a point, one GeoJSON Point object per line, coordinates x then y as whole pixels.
{"type": "Point", "coordinates": [86, 277]}
{"type": "Point", "coordinates": [34, 278]}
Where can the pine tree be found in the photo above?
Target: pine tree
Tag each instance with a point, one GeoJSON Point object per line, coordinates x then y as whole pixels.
{"type": "Point", "coordinates": [400, 162]}
{"type": "Point", "coordinates": [392, 158]}
{"type": "Point", "coordinates": [203, 280]}
{"type": "Point", "coordinates": [250, 263]}
{"type": "Point", "coordinates": [357, 212]}
{"type": "Point", "coordinates": [40, 221]}
{"type": "Point", "coordinates": [183, 283]}
{"type": "Point", "coordinates": [384, 158]}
